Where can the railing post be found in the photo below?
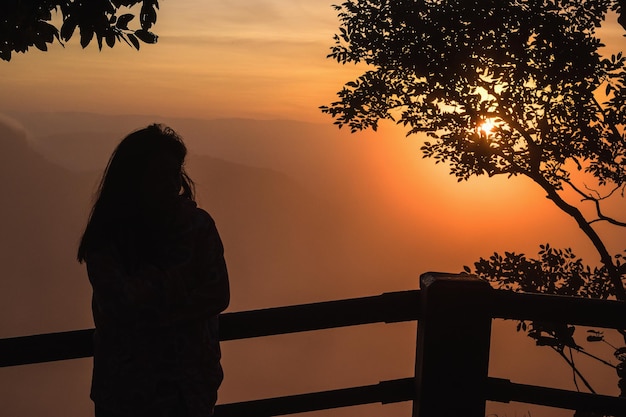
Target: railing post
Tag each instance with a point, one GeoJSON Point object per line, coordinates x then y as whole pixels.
{"type": "Point", "coordinates": [453, 336]}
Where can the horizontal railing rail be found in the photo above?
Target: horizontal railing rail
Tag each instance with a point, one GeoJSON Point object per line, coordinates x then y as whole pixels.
{"type": "Point", "coordinates": [385, 308]}
{"type": "Point", "coordinates": [401, 390]}
{"type": "Point", "coordinates": [454, 312]}
{"type": "Point", "coordinates": [591, 312]}
{"type": "Point", "coordinates": [503, 390]}
{"type": "Point", "coordinates": [385, 392]}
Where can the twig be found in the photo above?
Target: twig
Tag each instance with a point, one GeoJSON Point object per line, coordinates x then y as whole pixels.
{"type": "Point", "coordinates": [575, 370]}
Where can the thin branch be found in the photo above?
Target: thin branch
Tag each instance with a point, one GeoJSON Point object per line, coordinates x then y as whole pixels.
{"type": "Point", "coordinates": [596, 192]}
{"type": "Point", "coordinates": [602, 217]}
{"type": "Point", "coordinates": [571, 357]}
{"type": "Point", "coordinates": [578, 349]}
{"type": "Point", "coordinates": [575, 370]}
{"type": "Point", "coordinates": [596, 201]}
{"type": "Point", "coordinates": [584, 195]}
{"type": "Point", "coordinates": [610, 344]}
{"type": "Point", "coordinates": [583, 224]}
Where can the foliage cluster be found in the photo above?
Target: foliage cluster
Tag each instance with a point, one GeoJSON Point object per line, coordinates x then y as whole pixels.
{"type": "Point", "coordinates": [555, 271]}
{"type": "Point", "coordinates": [533, 70]}
{"type": "Point", "coordinates": [37, 23]}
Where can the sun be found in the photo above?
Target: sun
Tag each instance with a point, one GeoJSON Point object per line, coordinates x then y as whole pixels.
{"type": "Point", "coordinates": [486, 127]}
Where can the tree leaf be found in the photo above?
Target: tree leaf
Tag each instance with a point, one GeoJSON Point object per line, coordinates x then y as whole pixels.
{"type": "Point", "coordinates": [147, 16]}
{"type": "Point", "coordinates": [5, 54]}
{"type": "Point", "coordinates": [41, 45]}
{"type": "Point", "coordinates": [86, 35]}
{"type": "Point", "coordinates": [110, 39]}
{"type": "Point", "coordinates": [123, 20]}
{"type": "Point", "coordinates": [146, 36]}
{"type": "Point", "coordinates": [133, 39]}
{"type": "Point", "coordinates": [68, 27]}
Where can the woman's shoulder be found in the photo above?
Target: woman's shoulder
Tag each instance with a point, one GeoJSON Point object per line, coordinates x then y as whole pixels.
{"type": "Point", "coordinates": [196, 216]}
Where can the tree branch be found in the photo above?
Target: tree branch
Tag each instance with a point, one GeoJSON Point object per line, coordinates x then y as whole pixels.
{"type": "Point", "coordinates": [615, 275]}
{"type": "Point", "coordinates": [584, 352]}
{"type": "Point", "coordinates": [535, 174]}
{"type": "Point", "coordinates": [575, 370]}
{"type": "Point", "coordinates": [596, 201]}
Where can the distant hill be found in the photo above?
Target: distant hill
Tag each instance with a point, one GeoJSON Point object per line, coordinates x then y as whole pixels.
{"type": "Point", "coordinates": [270, 225]}
{"type": "Point", "coordinates": [43, 207]}
{"type": "Point", "coordinates": [319, 214]}
{"type": "Point", "coordinates": [318, 155]}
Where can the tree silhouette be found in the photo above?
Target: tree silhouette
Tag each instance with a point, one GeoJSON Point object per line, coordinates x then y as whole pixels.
{"type": "Point", "coordinates": [27, 23]}
{"type": "Point", "coordinates": [532, 72]}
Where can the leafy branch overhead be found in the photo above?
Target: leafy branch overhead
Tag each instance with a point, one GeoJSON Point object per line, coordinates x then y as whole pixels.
{"type": "Point", "coordinates": [506, 87]}
{"type": "Point", "coordinates": [444, 67]}
{"type": "Point", "coordinates": [530, 69]}
{"type": "Point", "coordinates": [38, 23]}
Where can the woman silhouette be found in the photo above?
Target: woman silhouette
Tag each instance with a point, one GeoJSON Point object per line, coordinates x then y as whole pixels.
{"type": "Point", "coordinates": [155, 262]}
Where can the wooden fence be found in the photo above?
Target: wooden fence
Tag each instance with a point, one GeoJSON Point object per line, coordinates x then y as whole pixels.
{"type": "Point", "coordinates": [452, 349]}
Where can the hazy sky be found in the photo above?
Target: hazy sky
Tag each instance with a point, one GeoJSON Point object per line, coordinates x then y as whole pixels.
{"type": "Point", "coordinates": [263, 59]}
{"type": "Point", "coordinates": [243, 58]}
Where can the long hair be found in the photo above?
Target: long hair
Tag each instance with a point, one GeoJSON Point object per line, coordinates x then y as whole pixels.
{"type": "Point", "coordinates": [119, 210]}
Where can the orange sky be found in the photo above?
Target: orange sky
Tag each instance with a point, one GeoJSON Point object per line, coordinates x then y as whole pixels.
{"type": "Point", "coordinates": [242, 58]}
{"type": "Point", "coordinates": [267, 60]}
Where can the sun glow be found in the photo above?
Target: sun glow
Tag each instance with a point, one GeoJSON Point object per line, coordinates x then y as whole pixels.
{"type": "Point", "coordinates": [486, 127]}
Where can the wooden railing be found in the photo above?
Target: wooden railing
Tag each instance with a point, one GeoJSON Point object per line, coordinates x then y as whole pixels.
{"type": "Point", "coordinates": [452, 349]}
